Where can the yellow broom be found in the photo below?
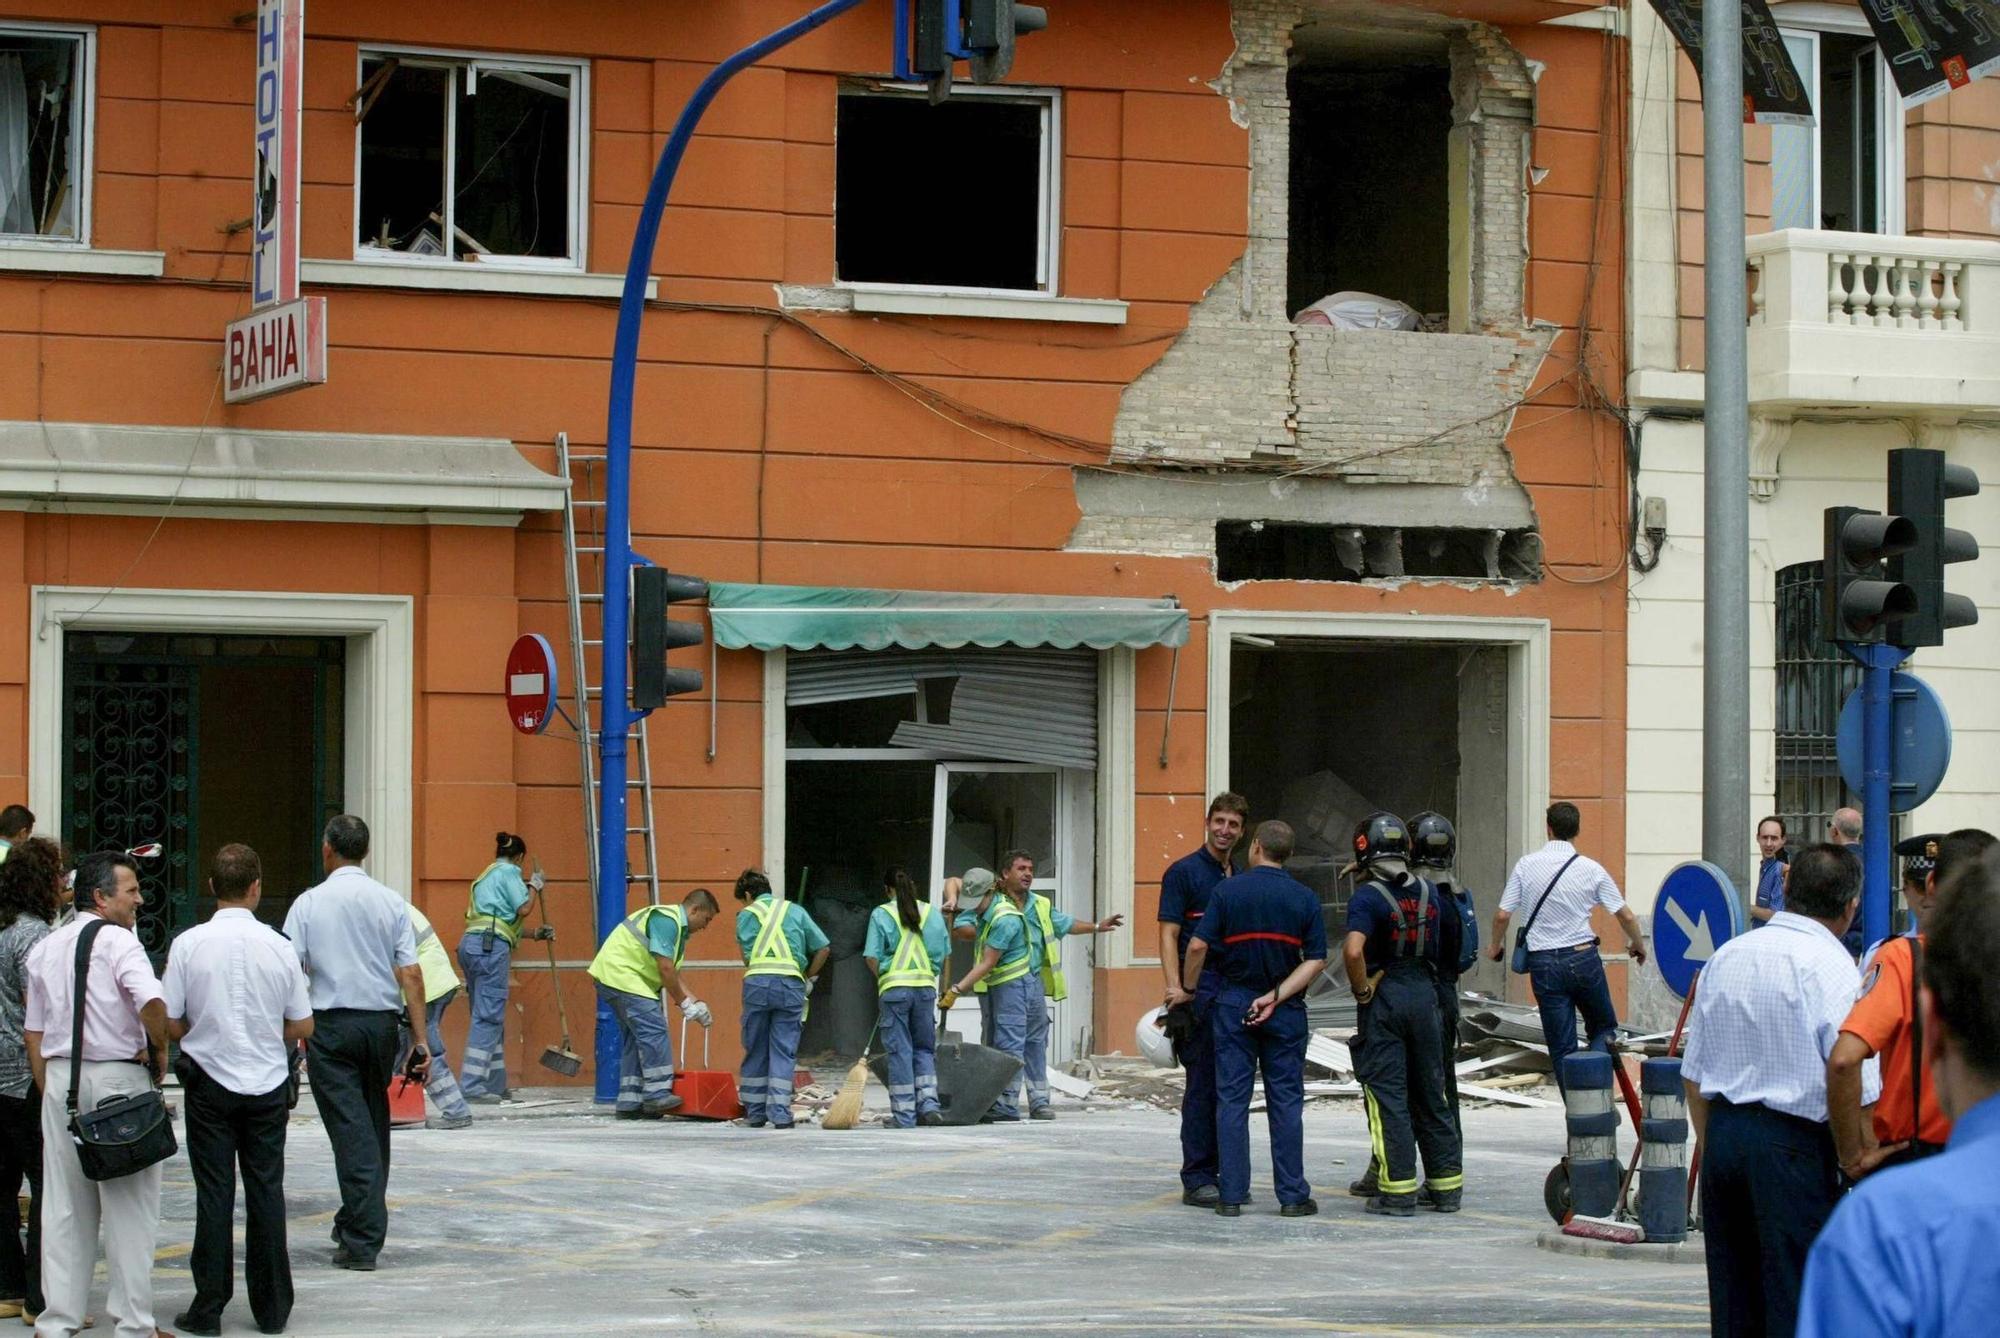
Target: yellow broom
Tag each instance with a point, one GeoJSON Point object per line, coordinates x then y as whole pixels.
{"type": "Point", "coordinates": [845, 1111]}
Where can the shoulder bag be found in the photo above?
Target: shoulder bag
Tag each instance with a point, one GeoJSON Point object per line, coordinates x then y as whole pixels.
{"type": "Point", "coordinates": [123, 1134]}
{"type": "Point", "coordinates": [1520, 959]}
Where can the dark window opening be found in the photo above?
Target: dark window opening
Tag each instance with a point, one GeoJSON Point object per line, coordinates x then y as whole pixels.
{"type": "Point", "coordinates": [1370, 176]}
{"type": "Point", "coordinates": [949, 196]}
{"type": "Point", "coordinates": [40, 115]}
{"type": "Point", "coordinates": [1259, 550]}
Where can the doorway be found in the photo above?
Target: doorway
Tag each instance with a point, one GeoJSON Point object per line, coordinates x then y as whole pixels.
{"type": "Point", "coordinates": [196, 740]}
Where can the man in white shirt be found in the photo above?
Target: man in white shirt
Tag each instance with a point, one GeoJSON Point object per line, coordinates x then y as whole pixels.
{"type": "Point", "coordinates": [1767, 1012]}
{"type": "Point", "coordinates": [236, 1001]}
{"type": "Point", "coordinates": [1558, 887]}
{"type": "Point", "coordinates": [124, 1053]}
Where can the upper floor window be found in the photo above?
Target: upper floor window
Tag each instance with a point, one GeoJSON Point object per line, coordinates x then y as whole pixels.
{"type": "Point", "coordinates": [1844, 172]}
{"type": "Point", "coordinates": [470, 159]}
{"type": "Point", "coordinates": [44, 140]}
{"type": "Point", "coordinates": [958, 195]}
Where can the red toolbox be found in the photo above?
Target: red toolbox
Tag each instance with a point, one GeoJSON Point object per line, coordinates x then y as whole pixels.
{"type": "Point", "coordinates": [705, 1093]}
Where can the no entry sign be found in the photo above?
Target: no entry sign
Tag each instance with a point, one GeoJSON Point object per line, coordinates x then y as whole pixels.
{"type": "Point", "coordinates": [531, 684]}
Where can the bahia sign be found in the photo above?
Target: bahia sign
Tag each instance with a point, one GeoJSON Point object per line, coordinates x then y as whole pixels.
{"type": "Point", "coordinates": [279, 348]}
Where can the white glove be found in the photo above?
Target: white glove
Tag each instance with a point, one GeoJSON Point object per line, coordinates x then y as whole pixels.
{"type": "Point", "coordinates": [535, 880]}
{"type": "Point", "coordinates": [695, 1011]}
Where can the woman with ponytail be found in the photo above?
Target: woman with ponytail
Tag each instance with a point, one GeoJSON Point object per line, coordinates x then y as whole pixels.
{"type": "Point", "coordinates": [493, 919]}
{"type": "Point", "coordinates": [908, 945]}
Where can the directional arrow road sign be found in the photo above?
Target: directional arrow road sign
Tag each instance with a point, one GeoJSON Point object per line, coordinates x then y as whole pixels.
{"type": "Point", "coordinates": [1697, 912]}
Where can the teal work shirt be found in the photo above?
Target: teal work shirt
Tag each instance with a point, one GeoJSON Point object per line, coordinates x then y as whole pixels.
{"type": "Point", "coordinates": [1009, 935]}
{"type": "Point", "coordinates": [663, 935]}
{"type": "Point", "coordinates": [885, 931]}
{"type": "Point", "coordinates": [800, 932]}
{"type": "Point", "coordinates": [501, 892]}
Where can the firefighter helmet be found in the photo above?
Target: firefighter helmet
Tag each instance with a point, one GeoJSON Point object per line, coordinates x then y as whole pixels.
{"type": "Point", "coordinates": [1433, 843]}
{"type": "Point", "coordinates": [1380, 836]}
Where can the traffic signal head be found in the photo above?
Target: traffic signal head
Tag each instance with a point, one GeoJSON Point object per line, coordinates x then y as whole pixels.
{"type": "Point", "coordinates": [1860, 601]}
{"type": "Point", "coordinates": [1920, 482]}
{"type": "Point", "coordinates": [990, 29]}
{"type": "Point", "coordinates": [654, 589]}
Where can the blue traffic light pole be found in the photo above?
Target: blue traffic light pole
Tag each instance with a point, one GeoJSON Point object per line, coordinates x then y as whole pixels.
{"type": "Point", "coordinates": [1879, 662]}
{"type": "Point", "coordinates": [616, 717]}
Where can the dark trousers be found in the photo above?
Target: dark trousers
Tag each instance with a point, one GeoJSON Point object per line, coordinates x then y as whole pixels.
{"type": "Point", "coordinates": [21, 1159]}
{"type": "Point", "coordinates": [1769, 1181]}
{"type": "Point", "coordinates": [350, 1059]}
{"type": "Point", "coordinates": [1447, 992]}
{"type": "Point", "coordinates": [1569, 981]}
{"type": "Point", "coordinates": [225, 1130]}
{"type": "Point", "coordinates": [1400, 1065]}
{"type": "Point", "coordinates": [1278, 1050]}
{"type": "Point", "coordinates": [1199, 1159]}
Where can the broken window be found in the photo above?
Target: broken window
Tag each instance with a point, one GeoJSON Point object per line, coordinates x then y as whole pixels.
{"type": "Point", "coordinates": [1258, 550]}
{"type": "Point", "coordinates": [1371, 200]}
{"type": "Point", "coordinates": [959, 195]}
{"type": "Point", "coordinates": [475, 160]}
{"type": "Point", "coordinates": [42, 134]}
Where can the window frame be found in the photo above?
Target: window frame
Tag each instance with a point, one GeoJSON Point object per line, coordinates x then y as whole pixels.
{"type": "Point", "coordinates": [578, 68]}
{"type": "Point", "coordinates": [82, 136]}
{"type": "Point", "coordinates": [1048, 227]}
{"type": "Point", "coordinates": [1813, 19]}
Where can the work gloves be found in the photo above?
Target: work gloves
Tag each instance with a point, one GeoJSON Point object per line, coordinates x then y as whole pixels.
{"type": "Point", "coordinates": [947, 999]}
{"type": "Point", "coordinates": [546, 932]}
{"type": "Point", "coordinates": [695, 1011]}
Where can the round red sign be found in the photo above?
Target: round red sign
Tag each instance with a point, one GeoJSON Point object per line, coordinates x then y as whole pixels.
{"type": "Point", "coordinates": [531, 684]}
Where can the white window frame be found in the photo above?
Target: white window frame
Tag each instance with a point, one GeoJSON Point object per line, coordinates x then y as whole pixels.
{"type": "Point", "coordinates": [1048, 219]}
{"type": "Point", "coordinates": [82, 135]}
{"type": "Point", "coordinates": [1811, 18]}
{"type": "Point", "coordinates": [579, 158]}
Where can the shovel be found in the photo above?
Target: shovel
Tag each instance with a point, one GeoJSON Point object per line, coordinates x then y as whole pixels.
{"type": "Point", "coordinates": [557, 1058]}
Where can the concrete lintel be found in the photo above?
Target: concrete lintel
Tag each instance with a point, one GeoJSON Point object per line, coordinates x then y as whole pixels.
{"type": "Point", "coordinates": [1500, 505]}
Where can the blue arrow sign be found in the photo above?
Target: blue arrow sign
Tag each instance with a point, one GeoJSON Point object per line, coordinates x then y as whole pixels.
{"type": "Point", "coordinates": [1697, 912]}
{"type": "Point", "coordinates": [1919, 742]}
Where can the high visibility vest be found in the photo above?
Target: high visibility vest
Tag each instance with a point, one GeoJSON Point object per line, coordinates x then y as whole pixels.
{"type": "Point", "coordinates": [1052, 976]}
{"type": "Point", "coordinates": [626, 961]}
{"type": "Point", "coordinates": [439, 977]}
{"type": "Point", "coordinates": [910, 965]}
{"type": "Point", "coordinates": [771, 951]}
{"type": "Point", "coordinates": [1006, 972]}
{"type": "Point", "coordinates": [478, 922]}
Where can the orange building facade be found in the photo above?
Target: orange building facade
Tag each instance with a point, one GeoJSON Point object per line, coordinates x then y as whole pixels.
{"type": "Point", "coordinates": [1037, 343]}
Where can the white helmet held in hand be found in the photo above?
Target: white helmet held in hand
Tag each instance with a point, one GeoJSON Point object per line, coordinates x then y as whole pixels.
{"type": "Point", "coordinates": [1153, 1042]}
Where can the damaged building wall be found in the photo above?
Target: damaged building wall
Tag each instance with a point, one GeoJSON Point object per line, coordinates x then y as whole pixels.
{"type": "Point", "coordinates": [1246, 389]}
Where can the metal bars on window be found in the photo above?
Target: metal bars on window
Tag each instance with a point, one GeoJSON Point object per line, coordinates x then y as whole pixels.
{"type": "Point", "coordinates": [1813, 680]}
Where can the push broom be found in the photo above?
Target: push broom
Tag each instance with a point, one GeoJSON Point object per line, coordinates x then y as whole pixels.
{"type": "Point", "coordinates": [557, 1058]}
{"type": "Point", "coordinates": [845, 1111]}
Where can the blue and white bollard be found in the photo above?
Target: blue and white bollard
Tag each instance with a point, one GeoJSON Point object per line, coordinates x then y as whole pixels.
{"type": "Point", "coordinates": [1593, 1134]}
{"type": "Point", "coordinates": [1663, 1151]}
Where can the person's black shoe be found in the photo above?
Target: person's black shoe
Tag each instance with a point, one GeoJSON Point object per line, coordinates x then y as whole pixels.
{"type": "Point", "coordinates": [1201, 1196]}
{"type": "Point", "coordinates": [629, 1115]}
{"type": "Point", "coordinates": [270, 1328]}
{"type": "Point", "coordinates": [1369, 1185]}
{"type": "Point", "coordinates": [1446, 1201]}
{"type": "Point", "coordinates": [186, 1322]}
{"type": "Point", "coordinates": [345, 1258]}
{"type": "Point", "coordinates": [1044, 1113]}
{"type": "Point", "coordinates": [930, 1119]}
{"type": "Point", "coordinates": [1393, 1205]}
{"type": "Point", "coordinates": [657, 1110]}
{"type": "Point", "coordinates": [1303, 1208]}
{"type": "Point", "coordinates": [1229, 1210]}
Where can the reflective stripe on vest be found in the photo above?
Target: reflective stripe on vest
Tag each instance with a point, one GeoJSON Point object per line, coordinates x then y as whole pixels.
{"type": "Point", "coordinates": [1052, 977]}
{"type": "Point", "coordinates": [910, 965]}
{"type": "Point", "coordinates": [476, 922]}
{"type": "Point", "coordinates": [1006, 972]}
{"type": "Point", "coordinates": [627, 962]}
{"type": "Point", "coordinates": [771, 951]}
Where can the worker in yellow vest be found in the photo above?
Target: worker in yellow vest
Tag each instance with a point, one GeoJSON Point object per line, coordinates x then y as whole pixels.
{"type": "Point", "coordinates": [1019, 937]}
{"type": "Point", "coordinates": [493, 919]}
{"type": "Point", "coordinates": [907, 947]}
{"type": "Point", "coordinates": [441, 985]}
{"type": "Point", "coordinates": [640, 961]}
{"type": "Point", "coordinates": [783, 954]}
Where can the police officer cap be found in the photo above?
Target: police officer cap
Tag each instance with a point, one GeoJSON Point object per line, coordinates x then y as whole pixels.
{"type": "Point", "coordinates": [1919, 853]}
{"type": "Point", "coordinates": [1380, 836]}
{"type": "Point", "coordinates": [1433, 843]}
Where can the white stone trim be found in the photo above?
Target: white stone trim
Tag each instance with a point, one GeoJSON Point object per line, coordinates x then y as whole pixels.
{"type": "Point", "coordinates": [27, 256]}
{"type": "Point", "coordinates": [774, 767]}
{"type": "Point", "coordinates": [977, 304]}
{"type": "Point", "coordinates": [1117, 801]}
{"type": "Point", "coordinates": [464, 277]}
{"type": "Point", "coordinates": [381, 686]}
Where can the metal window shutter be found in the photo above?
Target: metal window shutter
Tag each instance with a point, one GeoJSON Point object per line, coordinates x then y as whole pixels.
{"type": "Point", "coordinates": [1009, 705]}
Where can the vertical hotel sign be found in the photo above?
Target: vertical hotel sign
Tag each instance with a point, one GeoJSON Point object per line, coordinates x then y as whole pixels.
{"type": "Point", "coordinates": [281, 345]}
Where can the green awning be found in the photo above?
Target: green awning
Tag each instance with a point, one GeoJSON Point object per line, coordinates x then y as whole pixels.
{"type": "Point", "coordinates": [798, 617]}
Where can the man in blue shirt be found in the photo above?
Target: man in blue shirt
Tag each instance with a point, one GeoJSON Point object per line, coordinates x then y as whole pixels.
{"type": "Point", "coordinates": [1910, 1251]}
{"type": "Point", "coordinates": [1272, 939]}
{"type": "Point", "coordinates": [1184, 895]}
{"type": "Point", "coordinates": [1771, 870]}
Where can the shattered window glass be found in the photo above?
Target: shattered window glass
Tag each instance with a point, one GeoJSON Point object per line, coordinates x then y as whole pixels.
{"type": "Point", "coordinates": [468, 160]}
{"type": "Point", "coordinates": [41, 134]}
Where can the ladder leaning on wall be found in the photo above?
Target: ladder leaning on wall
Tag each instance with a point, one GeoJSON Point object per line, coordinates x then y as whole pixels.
{"type": "Point", "coordinates": [583, 560]}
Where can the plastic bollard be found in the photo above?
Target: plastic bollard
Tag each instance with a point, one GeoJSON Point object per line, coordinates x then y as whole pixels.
{"type": "Point", "coordinates": [1593, 1134]}
{"type": "Point", "coordinates": [1663, 1151]}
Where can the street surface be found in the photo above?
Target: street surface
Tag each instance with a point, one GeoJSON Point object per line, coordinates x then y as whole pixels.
{"type": "Point", "coordinates": [550, 1218]}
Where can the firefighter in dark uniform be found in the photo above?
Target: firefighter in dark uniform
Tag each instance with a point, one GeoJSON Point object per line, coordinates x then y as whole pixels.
{"type": "Point", "coordinates": [1434, 853]}
{"type": "Point", "coordinates": [1391, 954]}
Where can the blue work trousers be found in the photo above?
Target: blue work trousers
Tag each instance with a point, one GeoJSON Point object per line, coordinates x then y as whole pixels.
{"type": "Point", "coordinates": [1568, 981]}
{"type": "Point", "coordinates": [774, 1012]}
{"type": "Point", "coordinates": [1199, 1163]}
{"type": "Point", "coordinates": [441, 1085]}
{"type": "Point", "coordinates": [1278, 1048]}
{"type": "Point", "coordinates": [1020, 1013]}
{"type": "Point", "coordinates": [908, 1028]}
{"type": "Point", "coordinates": [645, 1052]}
{"type": "Point", "coordinates": [486, 960]}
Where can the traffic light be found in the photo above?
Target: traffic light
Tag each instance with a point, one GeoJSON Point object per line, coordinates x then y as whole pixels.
{"type": "Point", "coordinates": [654, 589]}
{"type": "Point", "coordinates": [1920, 482]}
{"type": "Point", "coordinates": [990, 29]}
{"type": "Point", "coordinates": [1859, 598]}
{"type": "Point", "coordinates": [931, 57]}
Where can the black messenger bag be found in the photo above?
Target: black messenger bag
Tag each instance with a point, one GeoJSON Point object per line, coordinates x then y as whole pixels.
{"type": "Point", "coordinates": [123, 1134]}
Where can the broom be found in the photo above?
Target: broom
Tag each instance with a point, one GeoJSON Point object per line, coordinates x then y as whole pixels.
{"type": "Point", "coordinates": [846, 1108]}
{"type": "Point", "coordinates": [557, 1058]}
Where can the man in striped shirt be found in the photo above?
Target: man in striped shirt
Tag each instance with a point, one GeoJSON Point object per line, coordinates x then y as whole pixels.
{"type": "Point", "coordinates": [1558, 887]}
